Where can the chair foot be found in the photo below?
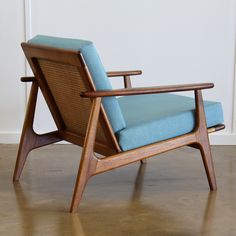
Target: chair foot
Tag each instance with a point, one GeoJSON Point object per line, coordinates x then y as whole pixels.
{"type": "Point", "coordinates": [25, 147]}
{"type": "Point", "coordinates": [78, 192]}
{"type": "Point", "coordinates": [21, 159]}
{"type": "Point", "coordinates": [208, 164]}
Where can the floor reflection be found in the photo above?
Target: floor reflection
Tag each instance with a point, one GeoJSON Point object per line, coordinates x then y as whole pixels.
{"type": "Point", "coordinates": [33, 220]}
{"type": "Point", "coordinates": [137, 215]}
{"type": "Point", "coordinates": [208, 216]}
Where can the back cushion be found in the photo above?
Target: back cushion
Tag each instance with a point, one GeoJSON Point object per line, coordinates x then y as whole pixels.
{"type": "Point", "coordinates": [95, 68]}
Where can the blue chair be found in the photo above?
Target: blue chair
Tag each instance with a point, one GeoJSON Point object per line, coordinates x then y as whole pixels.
{"type": "Point", "coordinates": [140, 123]}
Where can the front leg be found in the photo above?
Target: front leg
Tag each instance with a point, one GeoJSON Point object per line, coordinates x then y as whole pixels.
{"type": "Point", "coordinates": [203, 140]}
{"type": "Point", "coordinates": [88, 160]}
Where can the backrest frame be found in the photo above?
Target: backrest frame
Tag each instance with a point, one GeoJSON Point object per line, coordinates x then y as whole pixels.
{"type": "Point", "coordinates": [74, 58]}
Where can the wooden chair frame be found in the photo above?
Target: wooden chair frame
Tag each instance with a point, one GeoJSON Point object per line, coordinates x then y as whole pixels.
{"type": "Point", "coordinates": [90, 164]}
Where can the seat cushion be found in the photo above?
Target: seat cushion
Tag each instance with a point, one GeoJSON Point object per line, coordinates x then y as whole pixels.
{"type": "Point", "coordinates": [96, 70]}
{"type": "Point", "coordinates": [153, 118]}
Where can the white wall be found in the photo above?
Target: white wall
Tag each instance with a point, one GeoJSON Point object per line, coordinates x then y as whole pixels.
{"type": "Point", "coordinates": [172, 41]}
{"type": "Point", "coordinates": [12, 64]}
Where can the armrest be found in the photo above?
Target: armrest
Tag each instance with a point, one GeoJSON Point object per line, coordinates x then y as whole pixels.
{"type": "Point", "coordinates": [147, 90]}
{"type": "Point", "coordinates": [126, 76]}
{"type": "Point", "coordinates": [27, 79]}
{"type": "Point", "coordinates": [123, 73]}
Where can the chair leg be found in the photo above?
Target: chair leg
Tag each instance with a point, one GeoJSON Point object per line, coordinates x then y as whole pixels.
{"type": "Point", "coordinates": [208, 164]}
{"type": "Point", "coordinates": [29, 139]}
{"type": "Point", "coordinates": [88, 161]}
{"type": "Point", "coordinates": [81, 181]}
{"type": "Point", "coordinates": [203, 140]}
{"type": "Point", "coordinates": [27, 136]}
{"type": "Point", "coordinates": [25, 147]}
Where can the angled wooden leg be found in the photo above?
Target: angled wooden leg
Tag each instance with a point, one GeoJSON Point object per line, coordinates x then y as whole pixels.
{"type": "Point", "coordinates": [27, 136]}
{"type": "Point", "coordinates": [29, 139]}
{"type": "Point", "coordinates": [208, 164]}
{"type": "Point", "coordinates": [203, 141]}
{"type": "Point", "coordinates": [24, 148]}
{"type": "Point", "coordinates": [88, 161]}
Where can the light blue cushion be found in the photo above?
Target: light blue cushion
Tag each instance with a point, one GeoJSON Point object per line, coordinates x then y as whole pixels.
{"type": "Point", "coordinates": [153, 118]}
{"type": "Point", "coordinates": [96, 69]}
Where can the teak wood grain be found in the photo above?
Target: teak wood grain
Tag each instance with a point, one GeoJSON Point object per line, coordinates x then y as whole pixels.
{"type": "Point", "coordinates": [90, 164]}
{"type": "Point", "coordinates": [123, 73]}
{"type": "Point", "coordinates": [147, 90]}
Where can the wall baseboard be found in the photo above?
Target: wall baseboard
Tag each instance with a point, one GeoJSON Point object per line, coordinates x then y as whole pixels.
{"type": "Point", "coordinates": [9, 138]}
{"type": "Point", "coordinates": [223, 139]}
{"type": "Point", "coordinates": [215, 139]}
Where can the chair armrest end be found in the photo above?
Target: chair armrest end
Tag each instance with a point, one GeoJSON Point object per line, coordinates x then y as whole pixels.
{"type": "Point", "coordinates": [27, 79]}
{"type": "Point", "coordinates": [123, 73]}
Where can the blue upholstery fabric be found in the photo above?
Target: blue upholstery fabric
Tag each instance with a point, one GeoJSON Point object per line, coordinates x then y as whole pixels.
{"type": "Point", "coordinates": [153, 118]}
{"type": "Point", "coordinates": [96, 69]}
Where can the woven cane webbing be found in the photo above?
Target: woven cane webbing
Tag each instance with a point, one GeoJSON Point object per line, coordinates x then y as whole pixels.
{"type": "Point", "coordinates": [65, 83]}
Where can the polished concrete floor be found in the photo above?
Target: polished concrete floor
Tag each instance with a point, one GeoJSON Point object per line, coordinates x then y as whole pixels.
{"type": "Point", "coordinates": [167, 196]}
